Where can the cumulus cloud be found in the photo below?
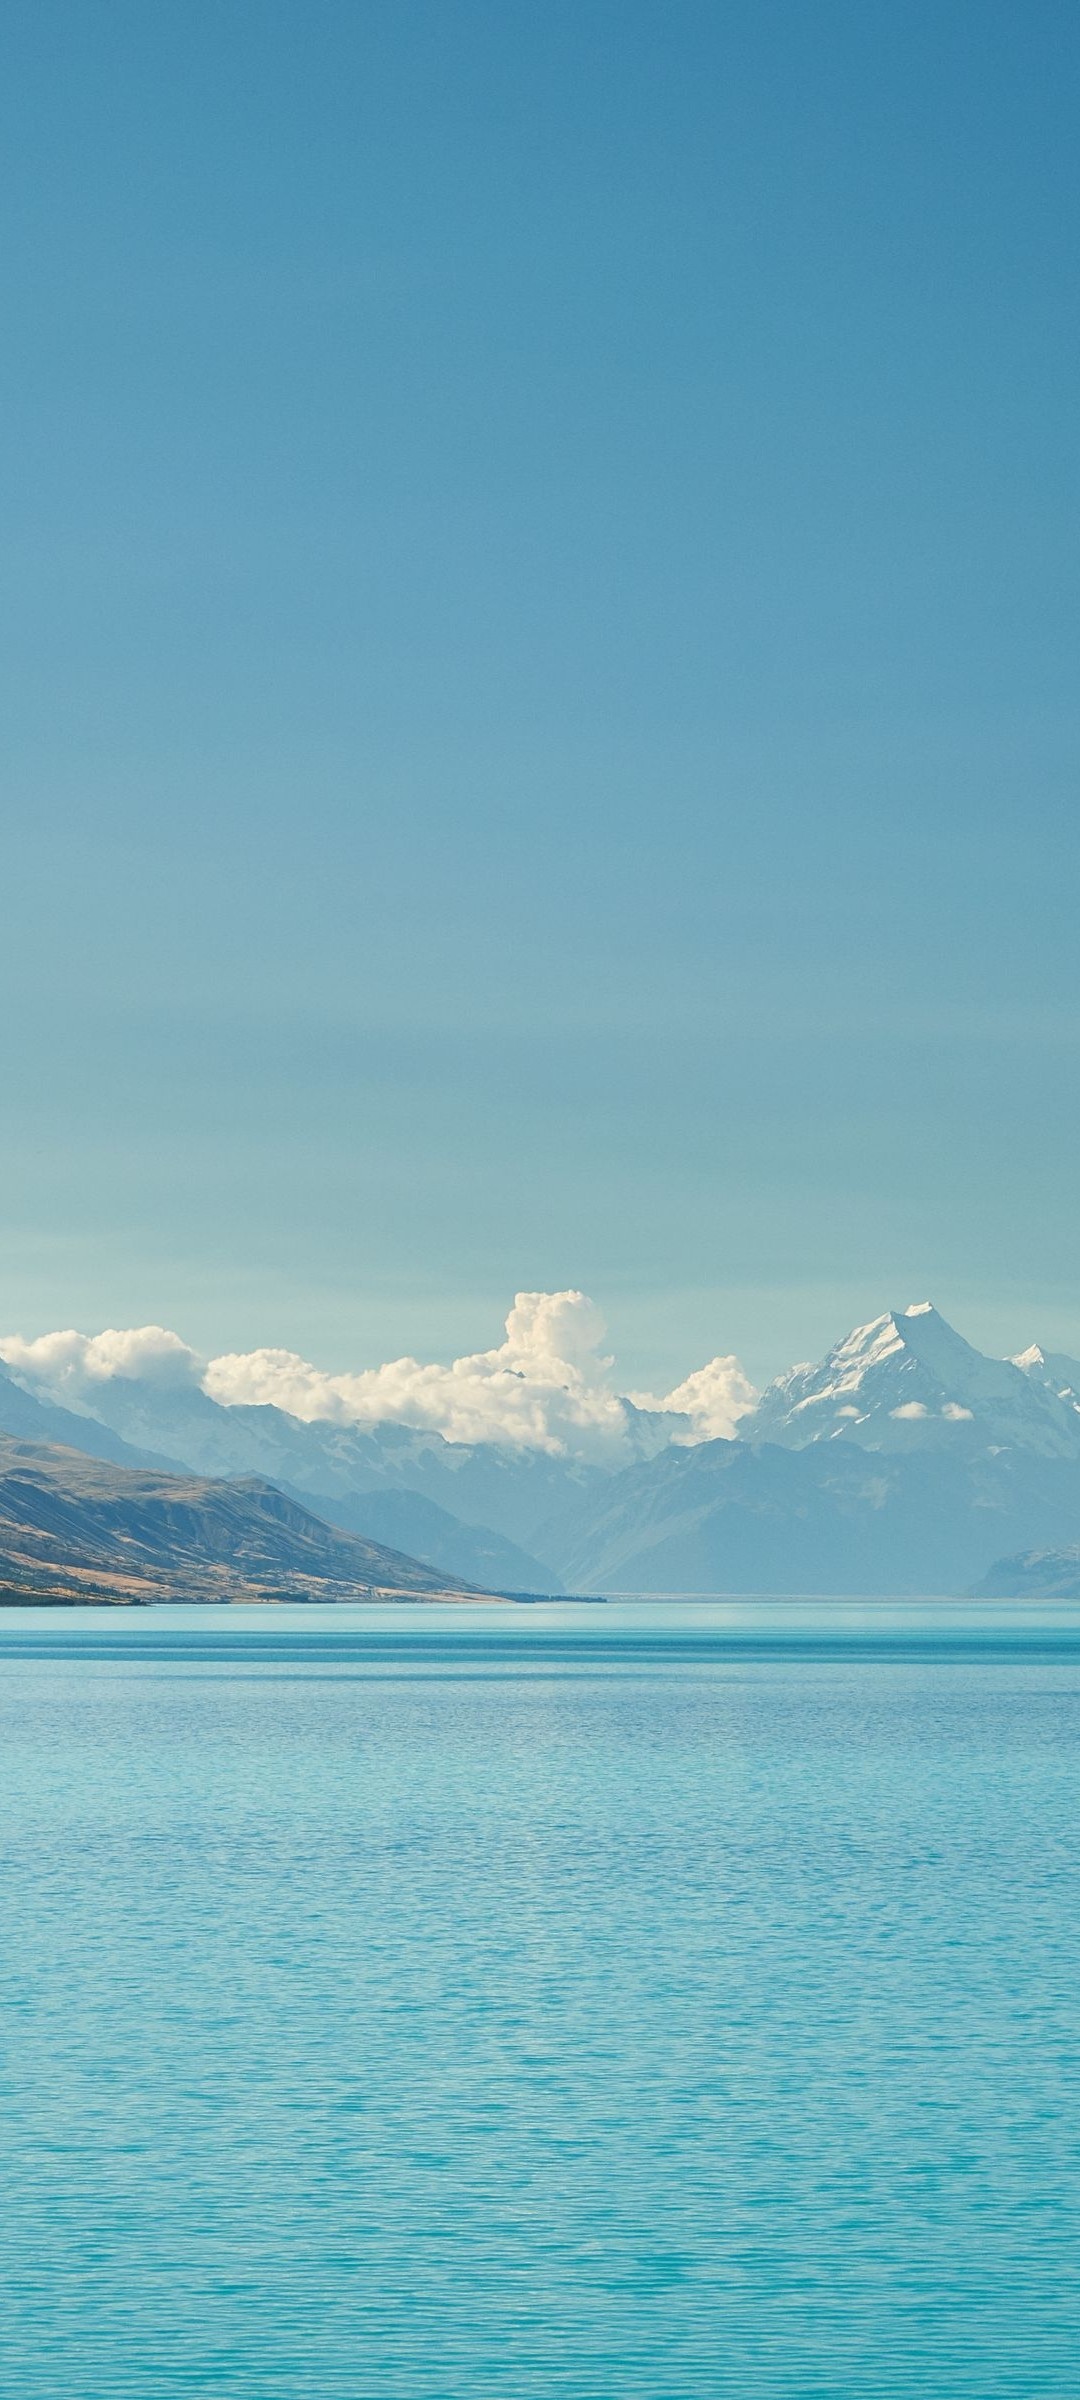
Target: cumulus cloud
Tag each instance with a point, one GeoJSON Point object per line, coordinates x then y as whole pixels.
{"type": "Point", "coordinates": [548, 1386]}
{"type": "Point", "coordinates": [65, 1363]}
{"type": "Point", "coordinates": [545, 1387]}
{"type": "Point", "coordinates": [713, 1399]}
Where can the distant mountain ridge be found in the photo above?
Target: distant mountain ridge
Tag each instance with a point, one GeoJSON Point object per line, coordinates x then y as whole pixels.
{"type": "Point", "coordinates": [830, 1517]}
{"type": "Point", "coordinates": [903, 1460]}
{"type": "Point", "coordinates": [1034, 1575]}
{"type": "Point", "coordinates": [33, 1419]}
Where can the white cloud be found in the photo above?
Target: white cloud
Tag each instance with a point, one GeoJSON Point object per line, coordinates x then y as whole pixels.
{"type": "Point", "coordinates": [911, 1408]}
{"type": "Point", "coordinates": [713, 1398]}
{"type": "Point", "coordinates": [548, 1386]}
{"type": "Point", "coordinates": [545, 1387]}
{"type": "Point", "coordinates": [65, 1363]}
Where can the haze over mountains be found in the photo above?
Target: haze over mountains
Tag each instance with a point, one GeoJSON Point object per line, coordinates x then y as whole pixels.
{"type": "Point", "coordinates": [903, 1461]}
{"type": "Point", "coordinates": [74, 1528]}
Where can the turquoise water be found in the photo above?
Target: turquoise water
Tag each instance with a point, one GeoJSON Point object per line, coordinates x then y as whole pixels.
{"type": "Point", "coordinates": [593, 2002]}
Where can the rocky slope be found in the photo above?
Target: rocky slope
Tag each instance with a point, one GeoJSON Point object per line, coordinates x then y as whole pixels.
{"type": "Point", "coordinates": [75, 1528]}
{"type": "Point", "coordinates": [414, 1491]}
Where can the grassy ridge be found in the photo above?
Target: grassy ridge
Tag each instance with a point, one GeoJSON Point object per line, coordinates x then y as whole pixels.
{"type": "Point", "coordinates": [79, 1529]}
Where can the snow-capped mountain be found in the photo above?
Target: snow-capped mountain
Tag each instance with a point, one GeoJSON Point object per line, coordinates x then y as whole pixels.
{"type": "Point", "coordinates": [908, 1381]}
{"type": "Point", "coordinates": [904, 1460]}
{"type": "Point", "coordinates": [1052, 1369]}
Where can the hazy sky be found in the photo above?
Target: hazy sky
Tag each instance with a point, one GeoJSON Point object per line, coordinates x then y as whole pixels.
{"type": "Point", "coordinates": [540, 715]}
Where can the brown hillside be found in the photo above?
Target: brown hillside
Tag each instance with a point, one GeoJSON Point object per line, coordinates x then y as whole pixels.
{"type": "Point", "coordinates": [74, 1528]}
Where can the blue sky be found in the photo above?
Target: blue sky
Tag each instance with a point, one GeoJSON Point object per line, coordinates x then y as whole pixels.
{"type": "Point", "coordinates": [540, 609]}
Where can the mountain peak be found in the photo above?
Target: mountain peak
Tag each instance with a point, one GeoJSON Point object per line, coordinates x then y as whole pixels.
{"type": "Point", "coordinates": [908, 1380]}
{"type": "Point", "coordinates": [1053, 1370]}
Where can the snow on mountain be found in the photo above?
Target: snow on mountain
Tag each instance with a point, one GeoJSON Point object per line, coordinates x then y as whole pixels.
{"type": "Point", "coordinates": [33, 1419]}
{"type": "Point", "coordinates": [611, 1491]}
{"type": "Point", "coordinates": [909, 1381]}
{"type": "Point", "coordinates": [1053, 1369]}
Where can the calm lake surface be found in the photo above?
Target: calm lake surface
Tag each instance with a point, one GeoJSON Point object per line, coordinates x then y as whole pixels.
{"type": "Point", "coordinates": [599, 2001]}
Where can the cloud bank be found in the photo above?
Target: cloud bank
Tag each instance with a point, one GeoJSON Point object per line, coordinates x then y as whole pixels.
{"type": "Point", "coordinates": [549, 1386]}
{"type": "Point", "coordinates": [68, 1365]}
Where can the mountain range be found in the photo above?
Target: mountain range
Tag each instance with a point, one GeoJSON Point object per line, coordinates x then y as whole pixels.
{"type": "Point", "coordinates": [903, 1461]}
